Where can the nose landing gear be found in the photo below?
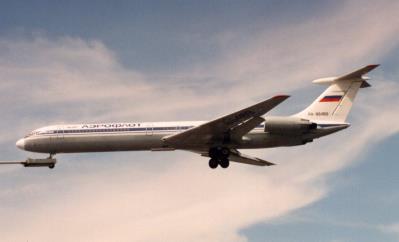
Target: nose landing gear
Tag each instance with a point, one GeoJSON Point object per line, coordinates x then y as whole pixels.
{"type": "Point", "coordinates": [219, 156]}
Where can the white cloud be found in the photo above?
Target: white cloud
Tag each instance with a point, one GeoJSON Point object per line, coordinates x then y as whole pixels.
{"type": "Point", "coordinates": [193, 205]}
{"type": "Point", "coordinates": [274, 60]}
{"type": "Point", "coordinates": [392, 229]}
{"type": "Point", "coordinates": [182, 200]}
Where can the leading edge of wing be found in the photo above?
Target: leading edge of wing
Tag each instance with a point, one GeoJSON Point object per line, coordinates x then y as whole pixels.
{"type": "Point", "coordinates": [217, 128]}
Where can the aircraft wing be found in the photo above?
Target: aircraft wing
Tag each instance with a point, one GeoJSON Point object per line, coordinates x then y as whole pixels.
{"type": "Point", "coordinates": [219, 129]}
{"type": "Point", "coordinates": [239, 157]}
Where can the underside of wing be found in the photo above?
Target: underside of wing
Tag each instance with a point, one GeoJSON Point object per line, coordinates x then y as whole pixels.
{"type": "Point", "coordinates": [236, 156]}
{"type": "Point", "coordinates": [222, 129]}
{"type": "Point", "coordinates": [239, 157]}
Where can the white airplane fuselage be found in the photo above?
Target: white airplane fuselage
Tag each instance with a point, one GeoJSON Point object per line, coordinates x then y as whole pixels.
{"type": "Point", "coordinates": [104, 137]}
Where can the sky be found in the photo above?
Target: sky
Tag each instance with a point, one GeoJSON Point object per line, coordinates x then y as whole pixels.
{"type": "Point", "coordinates": [136, 61]}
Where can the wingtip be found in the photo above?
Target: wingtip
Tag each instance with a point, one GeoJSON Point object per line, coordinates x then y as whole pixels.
{"type": "Point", "coordinates": [373, 66]}
{"type": "Point", "coordinates": [281, 96]}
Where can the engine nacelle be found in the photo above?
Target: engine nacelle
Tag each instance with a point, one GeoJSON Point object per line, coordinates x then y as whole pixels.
{"type": "Point", "coordinates": [288, 125]}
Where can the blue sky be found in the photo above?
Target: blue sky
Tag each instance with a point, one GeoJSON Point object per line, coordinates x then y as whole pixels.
{"type": "Point", "coordinates": [149, 61]}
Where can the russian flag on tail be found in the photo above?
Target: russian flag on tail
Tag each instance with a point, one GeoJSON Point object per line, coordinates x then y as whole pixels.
{"type": "Point", "coordinates": [333, 98]}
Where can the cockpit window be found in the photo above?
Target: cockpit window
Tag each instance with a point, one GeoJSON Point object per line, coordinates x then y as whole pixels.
{"type": "Point", "coordinates": [35, 132]}
{"type": "Point", "coordinates": [31, 133]}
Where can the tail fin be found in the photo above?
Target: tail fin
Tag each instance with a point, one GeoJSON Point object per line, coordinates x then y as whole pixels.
{"type": "Point", "coordinates": [334, 104]}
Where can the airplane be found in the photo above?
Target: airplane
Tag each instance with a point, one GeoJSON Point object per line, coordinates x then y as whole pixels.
{"type": "Point", "coordinates": [220, 139]}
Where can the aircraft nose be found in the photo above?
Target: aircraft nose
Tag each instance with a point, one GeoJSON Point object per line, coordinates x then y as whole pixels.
{"type": "Point", "coordinates": [21, 144]}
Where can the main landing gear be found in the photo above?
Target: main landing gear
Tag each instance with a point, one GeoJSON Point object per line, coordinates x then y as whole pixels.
{"type": "Point", "coordinates": [219, 156]}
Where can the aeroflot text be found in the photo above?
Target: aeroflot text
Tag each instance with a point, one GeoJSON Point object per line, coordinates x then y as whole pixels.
{"type": "Point", "coordinates": [117, 125]}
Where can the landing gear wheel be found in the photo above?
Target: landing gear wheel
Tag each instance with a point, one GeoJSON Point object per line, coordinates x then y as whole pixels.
{"type": "Point", "coordinates": [213, 163]}
{"type": "Point", "coordinates": [224, 163]}
{"type": "Point", "coordinates": [51, 166]}
{"type": "Point", "coordinates": [224, 152]}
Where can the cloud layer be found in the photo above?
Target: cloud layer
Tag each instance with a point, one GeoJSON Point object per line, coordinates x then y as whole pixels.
{"type": "Point", "coordinates": [175, 196]}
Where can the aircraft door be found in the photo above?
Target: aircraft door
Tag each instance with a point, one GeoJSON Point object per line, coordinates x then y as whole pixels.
{"type": "Point", "coordinates": [149, 129]}
{"type": "Point", "coordinates": [60, 134]}
{"type": "Point", "coordinates": [56, 138]}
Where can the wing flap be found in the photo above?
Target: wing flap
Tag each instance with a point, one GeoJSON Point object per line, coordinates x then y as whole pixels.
{"type": "Point", "coordinates": [237, 156]}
